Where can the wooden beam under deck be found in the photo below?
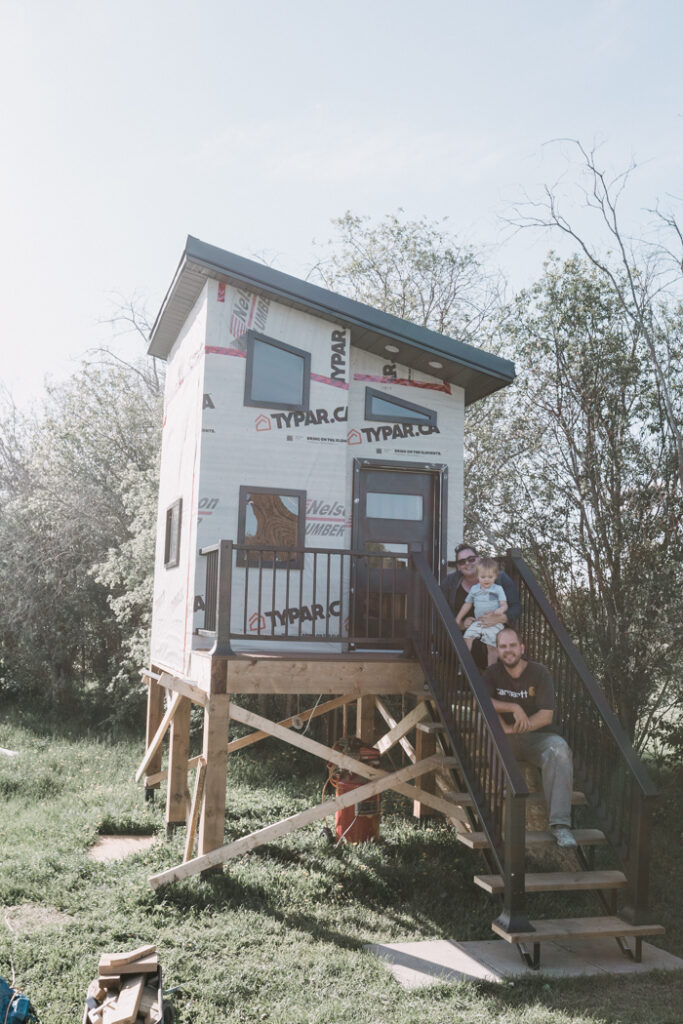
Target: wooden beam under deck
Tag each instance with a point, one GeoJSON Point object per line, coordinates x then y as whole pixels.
{"type": "Point", "coordinates": [359, 673]}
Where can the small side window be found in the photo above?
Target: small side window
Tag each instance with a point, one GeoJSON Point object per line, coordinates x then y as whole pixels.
{"type": "Point", "coordinates": [271, 517]}
{"type": "Point", "coordinates": [172, 540]}
{"type": "Point", "coordinates": [278, 376]}
{"type": "Point", "coordinates": [390, 409]}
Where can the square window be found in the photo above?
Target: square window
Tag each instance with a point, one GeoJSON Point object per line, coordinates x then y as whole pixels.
{"type": "Point", "coordinates": [172, 539]}
{"type": "Point", "coordinates": [278, 376]}
{"type": "Point", "coordinates": [390, 409]}
{"type": "Point", "coordinates": [272, 520]}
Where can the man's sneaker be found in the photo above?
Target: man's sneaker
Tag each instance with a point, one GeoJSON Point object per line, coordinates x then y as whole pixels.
{"type": "Point", "coordinates": [563, 837]}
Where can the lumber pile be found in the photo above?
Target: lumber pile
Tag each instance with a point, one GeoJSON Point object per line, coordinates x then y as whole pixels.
{"type": "Point", "coordinates": [127, 989]}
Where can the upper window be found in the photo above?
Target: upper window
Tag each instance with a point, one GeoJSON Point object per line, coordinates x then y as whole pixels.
{"type": "Point", "coordinates": [271, 517]}
{"type": "Point", "coordinates": [389, 409]}
{"type": "Point", "coordinates": [278, 375]}
{"type": "Point", "coordinates": [172, 539]}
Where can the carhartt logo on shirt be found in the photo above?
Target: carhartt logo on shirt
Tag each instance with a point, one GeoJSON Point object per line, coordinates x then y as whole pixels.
{"type": "Point", "coordinates": [517, 694]}
{"type": "Point", "coordinates": [532, 691]}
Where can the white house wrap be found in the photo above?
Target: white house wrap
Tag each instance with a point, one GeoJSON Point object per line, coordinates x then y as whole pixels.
{"type": "Point", "coordinates": [378, 397]}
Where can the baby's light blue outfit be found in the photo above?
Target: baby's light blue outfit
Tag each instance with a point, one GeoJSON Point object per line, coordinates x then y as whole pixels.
{"type": "Point", "coordinates": [485, 601]}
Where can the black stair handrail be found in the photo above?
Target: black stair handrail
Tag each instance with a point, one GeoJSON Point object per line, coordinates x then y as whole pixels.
{"type": "Point", "coordinates": [487, 765]}
{"type": "Point", "coordinates": [616, 784]}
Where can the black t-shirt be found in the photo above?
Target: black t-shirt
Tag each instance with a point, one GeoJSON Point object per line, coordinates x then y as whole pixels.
{"type": "Point", "coordinates": [533, 690]}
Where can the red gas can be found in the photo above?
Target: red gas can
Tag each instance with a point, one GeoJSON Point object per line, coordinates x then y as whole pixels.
{"type": "Point", "coordinates": [360, 822]}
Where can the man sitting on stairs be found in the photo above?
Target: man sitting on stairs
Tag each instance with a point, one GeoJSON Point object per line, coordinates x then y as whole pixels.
{"type": "Point", "coordinates": [523, 694]}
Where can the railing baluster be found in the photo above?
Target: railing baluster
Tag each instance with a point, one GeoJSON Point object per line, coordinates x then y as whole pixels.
{"type": "Point", "coordinates": [301, 589]}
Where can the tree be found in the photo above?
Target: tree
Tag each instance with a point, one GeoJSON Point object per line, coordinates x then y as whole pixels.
{"type": "Point", "coordinates": [593, 498]}
{"type": "Point", "coordinates": [414, 269]}
{"type": "Point", "coordinates": [76, 498]}
{"type": "Point", "coordinates": [644, 274]}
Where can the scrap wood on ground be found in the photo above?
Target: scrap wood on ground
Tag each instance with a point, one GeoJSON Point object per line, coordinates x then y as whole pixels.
{"type": "Point", "coordinates": [127, 990]}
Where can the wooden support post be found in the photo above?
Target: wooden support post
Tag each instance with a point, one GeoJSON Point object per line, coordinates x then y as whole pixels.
{"type": "Point", "coordinates": [215, 753]}
{"type": "Point", "coordinates": [155, 713]}
{"type": "Point", "coordinates": [365, 719]}
{"type": "Point", "coordinates": [425, 746]}
{"type": "Point", "coordinates": [178, 795]}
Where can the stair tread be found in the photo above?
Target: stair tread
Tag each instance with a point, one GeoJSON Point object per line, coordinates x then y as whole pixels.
{"type": "Point", "coordinates": [464, 799]}
{"type": "Point", "coordinates": [578, 927]}
{"type": "Point", "coordinates": [578, 798]}
{"type": "Point", "coordinates": [583, 836]}
{"type": "Point", "coordinates": [557, 881]}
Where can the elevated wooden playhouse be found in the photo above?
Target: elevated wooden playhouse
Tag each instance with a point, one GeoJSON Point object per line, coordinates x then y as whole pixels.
{"type": "Point", "coordinates": [311, 487]}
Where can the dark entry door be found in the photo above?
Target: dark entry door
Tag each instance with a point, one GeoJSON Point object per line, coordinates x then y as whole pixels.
{"type": "Point", "coordinates": [395, 506]}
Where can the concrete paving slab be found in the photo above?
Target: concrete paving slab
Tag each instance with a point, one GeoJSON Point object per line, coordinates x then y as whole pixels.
{"type": "Point", "coordinates": [415, 964]}
{"type": "Point", "coordinates": [118, 847]}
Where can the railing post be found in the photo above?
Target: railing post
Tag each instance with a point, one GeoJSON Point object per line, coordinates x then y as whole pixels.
{"type": "Point", "coordinates": [636, 909]}
{"type": "Point", "coordinates": [221, 647]}
{"type": "Point", "coordinates": [414, 610]}
{"type": "Point", "coordinates": [514, 918]}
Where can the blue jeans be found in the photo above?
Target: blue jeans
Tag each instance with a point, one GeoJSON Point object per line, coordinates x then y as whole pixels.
{"type": "Point", "coordinates": [550, 753]}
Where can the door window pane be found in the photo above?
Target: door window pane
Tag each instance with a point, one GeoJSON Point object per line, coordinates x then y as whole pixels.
{"type": "Point", "coordinates": [385, 505]}
{"type": "Point", "coordinates": [388, 554]}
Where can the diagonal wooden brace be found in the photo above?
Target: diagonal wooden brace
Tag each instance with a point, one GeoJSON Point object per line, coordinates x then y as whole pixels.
{"type": "Point", "coordinates": [336, 757]}
{"type": "Point", "coordinates": [255, 737]}
{"type": "Point", "coordinates": [295, 821]}
{"type": "Point", "coordinates": [398, 731]}
{"type": "Point", "coordinates": [158, 736]}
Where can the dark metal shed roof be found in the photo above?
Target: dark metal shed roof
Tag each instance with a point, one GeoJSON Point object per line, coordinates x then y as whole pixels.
{"type": "Point", "coordinates": [479, 373]}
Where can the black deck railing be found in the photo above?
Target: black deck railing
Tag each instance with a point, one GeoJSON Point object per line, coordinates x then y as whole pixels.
{"type": "Point", "coordinates": [314, 595]}
{"type": "Point", "coordinates": [607, 769]}
{"type": "Point", "coordinates": [476, 736]}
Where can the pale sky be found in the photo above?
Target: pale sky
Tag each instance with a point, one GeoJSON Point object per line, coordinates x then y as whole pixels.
{"type": "Point", "coordinates": [127, 125]}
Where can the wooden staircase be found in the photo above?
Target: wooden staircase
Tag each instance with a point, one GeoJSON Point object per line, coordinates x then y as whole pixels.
{"type": "Point", "coordinates": [489, 786]}
{"type": "Point", "coordinates": [602, 883]}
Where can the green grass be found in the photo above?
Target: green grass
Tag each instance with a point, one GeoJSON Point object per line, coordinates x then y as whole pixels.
{"type": "Point", "coordinates": [278, 936]}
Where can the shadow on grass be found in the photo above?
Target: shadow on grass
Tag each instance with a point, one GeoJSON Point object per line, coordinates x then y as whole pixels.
{"type": "Point", "coordinates": [420, 884]}
{"type": "Point", "coordinates": [654, 997]}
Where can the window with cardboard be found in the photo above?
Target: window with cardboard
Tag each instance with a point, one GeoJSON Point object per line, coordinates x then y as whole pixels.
{"type": "Point", "coordinates": [390, 409]}
{"type": "Point", "coordinates": [278, 376]}
{"type": "Point", "coordinates": [174, 515]}
{"type": "Point", "coordinates": [272, 521]}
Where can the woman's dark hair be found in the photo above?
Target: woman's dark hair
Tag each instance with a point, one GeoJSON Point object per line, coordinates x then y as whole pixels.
{"type": "Point", "coordinates": [465, 547]}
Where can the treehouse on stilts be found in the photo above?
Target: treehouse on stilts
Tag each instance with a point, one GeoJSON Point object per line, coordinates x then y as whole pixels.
{"type": "Point", "coordinates": [311, 488]}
